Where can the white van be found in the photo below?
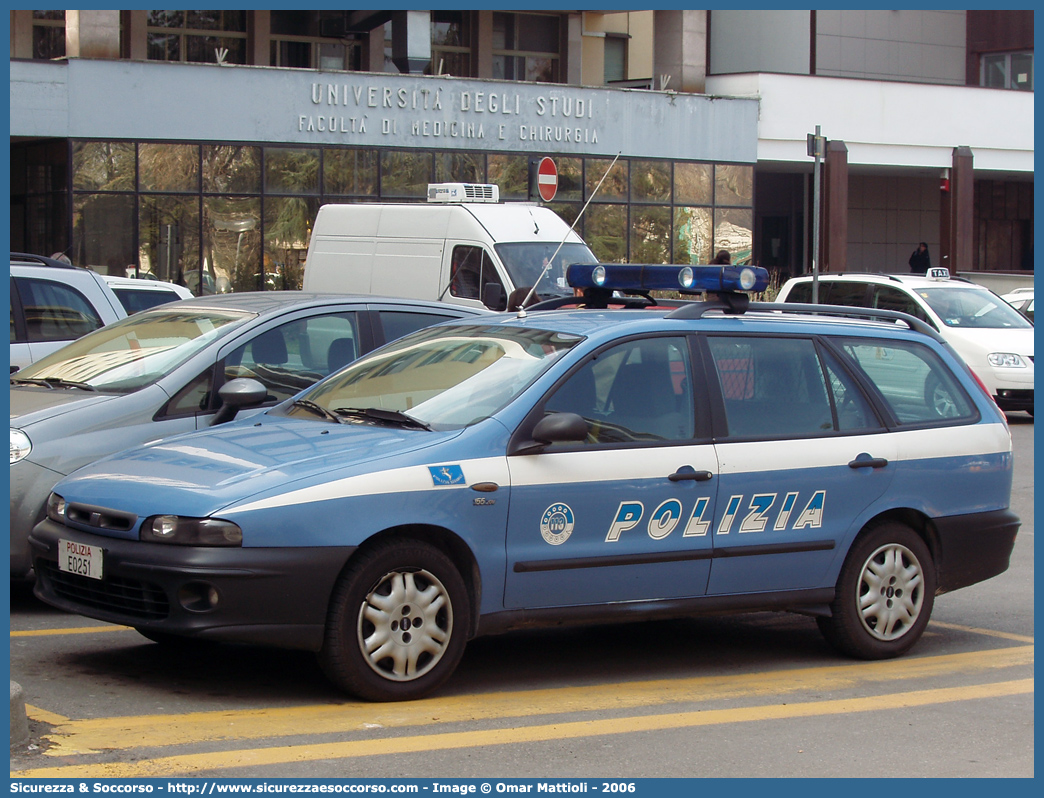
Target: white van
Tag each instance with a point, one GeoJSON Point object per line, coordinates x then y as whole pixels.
{"type": "Point", "coordinates": [463, 246]}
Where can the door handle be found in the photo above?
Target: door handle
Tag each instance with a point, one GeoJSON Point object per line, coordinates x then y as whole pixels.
{"type": "Point", "coordinates": [689, 473]}
{"type": "Point", "coordinates": [868, 462]}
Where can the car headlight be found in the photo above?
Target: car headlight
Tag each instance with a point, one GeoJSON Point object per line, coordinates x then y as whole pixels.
{"type": "Point", "coordinates": [1001, 360]}
{"type": "Point", "coordinates": [56, 508]}
{"type": "Point", "coordinates": [180, 531]}
{"type": "Point", "coordinates": [20, 445]}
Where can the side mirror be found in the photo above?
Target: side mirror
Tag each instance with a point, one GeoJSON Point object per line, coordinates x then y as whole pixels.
{"type": "Point", "coordinates": [493, 296]}
{"type": "Point", "coordinates": [560, 428]}
{"type": "Point", "coordinates": [236, 394]}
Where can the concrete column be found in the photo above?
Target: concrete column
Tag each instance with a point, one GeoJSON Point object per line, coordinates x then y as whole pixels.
{"type": "Point", "coordinates": [834, 220]}
{"type": "Point", "coordinates": [411, 41]}
{"type": "Point", "coordinates": [483, 45]}
{"type": "Point", "coordinates": [92, 34]}
{"type": "Point", "coordinates": [573, 52]}
{"type": "Point", "coordinates": [135, 35]}
{"type": "Point", "coordinates": [21, 34]}
{"type": "Point", "coordinates": [259, 38]}
{"type": "Point", "coordinates": [373, 50]}
{"type": "Point", "coordinates": [962, 211]}
{"type": "Point", "coordinates": [680, 50]}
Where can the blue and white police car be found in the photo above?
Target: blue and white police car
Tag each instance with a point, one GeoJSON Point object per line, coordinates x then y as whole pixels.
{"type": "Point", "coordinates": [559, 466]}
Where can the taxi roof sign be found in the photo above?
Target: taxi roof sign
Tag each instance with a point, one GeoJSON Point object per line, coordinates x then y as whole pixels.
{"type": "Point", "coordinates": [938, 273]}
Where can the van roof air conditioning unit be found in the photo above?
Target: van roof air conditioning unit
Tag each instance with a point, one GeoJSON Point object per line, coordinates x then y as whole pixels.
{"type": "Point", "coordinates": [463, 192]}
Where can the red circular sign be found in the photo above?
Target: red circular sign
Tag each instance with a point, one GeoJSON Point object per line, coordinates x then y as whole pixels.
{"type": "Point", "coordinates": [547, 179]}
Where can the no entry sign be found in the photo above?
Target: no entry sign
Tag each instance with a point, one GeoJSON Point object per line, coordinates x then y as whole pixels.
{"type": "Point", "coordinates": [547, 179]}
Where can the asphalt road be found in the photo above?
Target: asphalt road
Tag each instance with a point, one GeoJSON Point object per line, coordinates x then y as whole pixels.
{"type": "Point", "coordinates": [741, 696]}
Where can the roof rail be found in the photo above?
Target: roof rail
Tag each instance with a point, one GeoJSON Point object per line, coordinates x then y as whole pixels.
{"type": "Point", "coordinates": [40, 260]}
{"type": "Point", "coordinates": [697, 310]}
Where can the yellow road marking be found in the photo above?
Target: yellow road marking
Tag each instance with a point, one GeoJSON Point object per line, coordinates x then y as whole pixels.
{"type": "Point", "coordinates": [988, 632]}
{"type": "Point", "coordinates": [92, 735]}
{"type": "Point", "coordinates": [191, 764]}
{"type": "Point", "coordinates": [72, 630]}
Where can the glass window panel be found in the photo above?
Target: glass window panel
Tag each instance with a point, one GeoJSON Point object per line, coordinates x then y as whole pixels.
{"type": "Point", "coordinates": [288, 222]}
{"type": "Point", "coordinates": [47, 167]}
{"type": "Point", "coordinates": [450, 28]}
{"type": "Point", "coordinates": [570, 179]}
{"type": "Point", "coordinates": [164, 47]}
{"type": "Point", "coordinates": [694, 183]}
{"type": "Point", "coordinates": [203, 49]}
{"type": "Point", "coordinates": [693, 235]}
{"type": "Point", "coordinates": [168, 167]}
{"type": "Point", "coordinates": [405, 173]}
{"type": "Point", "coordinates": [537, 33]}
{"type": "Point", "coordinates": [650, 235]}
{"type": "Point", "coordinates": [1022, 71]}
{"type": "Point", "coordinates": [231, 169]}
{"type": "Point", "coordinates": [48, 42]}
{"type": "Point", "coordinates": [46, 224]}
{"type": "Point", "coordinates": [605, 231]}
{"type": "Point", "coordinates": [733, 231]}
{"type": "Point", "coordinates": [460, 167]}
{"type": "Point", "coordinates": [216, 20]}
{"type": "Point", "coordinates": [103, 233]}
{"type": "Point", "coordinates": [103, 166]}
{"type": "Point", "coordinates": [650, 181]}
{"type": "Point", "coordinates": [231, 245]}
{"type": "Point", "coordinates": [995, 71]}
{"type": "Point", "coordinates": [291, 170]}
{"type": "Point", "coordinates": [352, 172]}
{"type": "Point", "coordinates": [511, 174]}
{"type": "Point", "coordinates": [614, 187]}
{"type": "Point", "coordinates": [166, 19]}
{"type": "Point", "coordinates": [615, 58]}
{"type": "Point", "coordinates": [168, 239]}
{"type": "Point", "coordinates": [733, 184]}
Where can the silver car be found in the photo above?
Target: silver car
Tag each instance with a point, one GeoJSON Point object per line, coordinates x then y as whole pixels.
{"type": "Point", "coordinates": [158, 373]}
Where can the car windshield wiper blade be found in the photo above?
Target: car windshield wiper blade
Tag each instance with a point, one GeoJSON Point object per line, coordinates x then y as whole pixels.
{"type": "Point", "coordinates": [53, 382]}
{"type": "Point", "coordinates": [319, 410]}
{"type": "Point", "coordinates": [387, 416]}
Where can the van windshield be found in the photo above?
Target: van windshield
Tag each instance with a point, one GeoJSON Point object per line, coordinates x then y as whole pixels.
{"type": "Point", "coordinates": [525, 262]}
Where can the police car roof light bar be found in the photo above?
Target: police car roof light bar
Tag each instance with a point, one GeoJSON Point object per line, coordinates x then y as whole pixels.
{"type": "Point", "coordinates": [657, 277]}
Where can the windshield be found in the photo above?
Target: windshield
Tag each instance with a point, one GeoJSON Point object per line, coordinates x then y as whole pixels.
{"type": "Point", "coordinates": [441, 377]}
{"type": "Point", "coordinates": [959, 307]}
{"type": "Point", "coordinates": [525, 262]}
{"type": "Point", "coordinates": [134, 352]}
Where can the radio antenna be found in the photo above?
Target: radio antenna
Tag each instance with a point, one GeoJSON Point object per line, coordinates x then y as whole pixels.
{"type": "Point", "coordinates": [547, 266]}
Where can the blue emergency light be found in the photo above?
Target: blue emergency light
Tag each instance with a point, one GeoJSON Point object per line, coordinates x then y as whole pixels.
{"type": "Point", "coordinates": [657, 277]}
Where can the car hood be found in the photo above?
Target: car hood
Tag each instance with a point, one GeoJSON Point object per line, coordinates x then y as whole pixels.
{"type": "Point", "coordinates": [198, 473]}
{"type": "Point", "coordinates": [984, 341]}
{"type": "Point", "coordinates": [30, 405]}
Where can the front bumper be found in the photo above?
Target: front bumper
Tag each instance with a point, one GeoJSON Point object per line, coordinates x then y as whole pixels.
{"type": "Point", "coordinates": [1010, 399]}
{"type": "Point", "coordinates": [267, 596]}
{"type": "Point", "coordinates": [974, 547]}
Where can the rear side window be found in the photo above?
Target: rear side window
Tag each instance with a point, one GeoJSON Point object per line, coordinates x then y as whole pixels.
{"type": "Point", "coordinates": [134, 300]}
{"type": "Point", "coordinates": [915, 384]}
{"type": "Point", "coordinates": [295, 355]}
{"type": "Point", "coordinates": [397, 323]}
{"type": "Point", "coordinates": [55, 312]}
{"type": "Point", "coordinates": [772, 387]}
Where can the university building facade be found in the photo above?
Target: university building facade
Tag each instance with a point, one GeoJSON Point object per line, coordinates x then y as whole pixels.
{"type": "Point", "coordinates": [197, 146]}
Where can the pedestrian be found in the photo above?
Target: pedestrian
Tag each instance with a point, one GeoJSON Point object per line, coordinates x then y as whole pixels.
{"type": "Point", "coordinates": [724, 257]}
{"type": "Point", "coordinates": [920, 263]}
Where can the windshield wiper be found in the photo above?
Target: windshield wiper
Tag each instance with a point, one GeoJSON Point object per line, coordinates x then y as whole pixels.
{"type": "Point", "coordinates": [52, 382]}
{"type": "Point", "coordinates": [387, 416]}
{"type": "Point", "coordinates": [319, 410]}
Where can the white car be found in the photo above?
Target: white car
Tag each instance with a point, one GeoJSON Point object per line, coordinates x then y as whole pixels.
{"type": "Point", "coordinates": [1022, 300]}
{"type": "Point", "coordinates": [137, 294]}
{"type": "Point", "coordinates": [994, 339]}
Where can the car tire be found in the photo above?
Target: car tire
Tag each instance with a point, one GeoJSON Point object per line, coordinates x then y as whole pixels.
{"type": "Point", "coordinates": [885, 594]}
{"type": "Point", "coordinates": [397, 623]}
